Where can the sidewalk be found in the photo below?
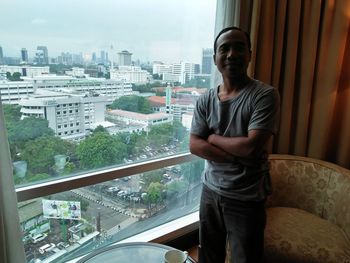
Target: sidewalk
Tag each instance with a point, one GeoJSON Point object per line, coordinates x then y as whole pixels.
{"type": "Point", "coordinates": [122, 225]}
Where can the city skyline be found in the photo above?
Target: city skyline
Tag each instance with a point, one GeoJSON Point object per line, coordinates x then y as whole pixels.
{"type": "Point", "coordinates": [151, 30]}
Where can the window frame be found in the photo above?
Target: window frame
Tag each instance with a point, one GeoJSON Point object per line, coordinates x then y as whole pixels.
{"type": "Point", "coordinates": [41, 189]}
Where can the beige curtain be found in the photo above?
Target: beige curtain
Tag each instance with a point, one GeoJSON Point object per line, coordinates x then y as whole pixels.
{"type": "Point", "coordinates": [303, 48]}
{"type": "Point", "coordinates": [11, 247]}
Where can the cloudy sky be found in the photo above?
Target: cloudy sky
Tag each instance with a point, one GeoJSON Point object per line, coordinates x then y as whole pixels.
{"type": "Point", "coordinates": [165, 30]}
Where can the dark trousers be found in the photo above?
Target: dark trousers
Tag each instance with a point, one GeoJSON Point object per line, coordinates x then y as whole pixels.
{"type": "Point", "coordinates": [224, 220]}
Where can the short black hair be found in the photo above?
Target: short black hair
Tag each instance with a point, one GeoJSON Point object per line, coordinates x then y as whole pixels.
{"type": "Point", "coordinates": [228, 29]}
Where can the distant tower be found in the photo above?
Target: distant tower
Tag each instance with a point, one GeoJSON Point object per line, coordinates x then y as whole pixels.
{"type": "Point", "coordinates": [124, 58]}
{"type": "Point", "coordinates": [94, 57]}
{"type": "Point", "coordinates": [102, 57]}
{"type": "Point", "coordinates": [24, 55]}
{"type": "Point", "coordinates": [207, 60]}
{"type": "Point", "coordinates": [1, 56]}
{"type": "Point", "coordinates": [168, 98]}
{"type": "Point", "coordinates": [42, 56]}
{"type": "Point", "coordinates": [112, 62]}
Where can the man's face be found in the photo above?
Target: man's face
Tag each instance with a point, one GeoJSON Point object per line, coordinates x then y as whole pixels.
{"type": "Point", "coordinates": [232, 54]}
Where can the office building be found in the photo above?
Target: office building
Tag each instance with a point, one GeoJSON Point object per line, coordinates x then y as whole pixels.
{"type": "Point", "coordinates": [70, 116]}
{"type": "Point", "coordinates": [13, 91]}
{"type": "Point", "coordinates": [1, 56]}
{"type": "Point", "coordinates": [24, 55]}
{"type": "Point", "coordinates": [178, 72]}
{"type": "Point", "coordinates": [112, 89]}
{"type": "Point", "coordinates": [103, 57]}
{"type": "Point", "coordinates": [207, 60]}
{"type": "Point", "coordinates": [26, 71]}
{"type": "Point", "coordinates": [42, 56]}
{"type": "Point", "coordinates": [124, 58]}
{"type": "Point", "coordinates": [130, 74]}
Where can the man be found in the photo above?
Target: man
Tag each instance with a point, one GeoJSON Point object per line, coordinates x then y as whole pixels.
{"type": "Point", "coordinates": [231, 127]}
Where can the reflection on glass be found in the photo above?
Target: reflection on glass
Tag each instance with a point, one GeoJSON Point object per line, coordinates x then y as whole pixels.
{"type": "Point", "coordinates": [110, 211]}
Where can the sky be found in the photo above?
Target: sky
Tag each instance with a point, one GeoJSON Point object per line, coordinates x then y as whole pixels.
{"type": "Point", "coordinates": [152, 30]}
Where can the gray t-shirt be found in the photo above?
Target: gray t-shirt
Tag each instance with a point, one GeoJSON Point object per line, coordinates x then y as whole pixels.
{"type": "Point", "coordinates": [256, 107]}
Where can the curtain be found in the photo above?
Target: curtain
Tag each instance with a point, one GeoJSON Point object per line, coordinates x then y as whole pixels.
{"type": "Point", "coordinates": [303, 49]}
{"type": "Point", "coordinates": [11, 247]}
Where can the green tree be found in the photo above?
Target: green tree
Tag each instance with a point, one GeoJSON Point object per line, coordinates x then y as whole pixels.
{"type": "Point", "coordinates": [28, 129]}
{"type": "Point", "coordinates": [154, 193]}
{"type": "Point", "coordinates": [132, 103]}
{"type": "Point", "coordinates": [100, 128]}
{"type": "Point", "coordinates": [39, 153]}
{"type": "Point", "coordinates": [154, 176]}
{"type": "Point", "coordinates": [148, 87]}
{"type": "Point", "coordinates": [16, 76]}
{"type": "Point", "coordinates": [178, 130]}
{"type": "Point", "coordinates": [12, 113]}
{"type": "Point", "coordinates": [160, 134]}
{"type": "Point", "coordinates": [101, 149]}
{"type": "Point", "coordinates": [22, 131]}
{"type": "Point", "coordinates": [157, 76]}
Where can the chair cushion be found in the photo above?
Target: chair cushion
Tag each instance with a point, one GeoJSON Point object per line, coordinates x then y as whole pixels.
{"type": "Point", "coordinates": [294, 236]}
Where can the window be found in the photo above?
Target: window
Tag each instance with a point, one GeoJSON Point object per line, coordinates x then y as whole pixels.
{"type": "Point", "coordinates": [108, 140]}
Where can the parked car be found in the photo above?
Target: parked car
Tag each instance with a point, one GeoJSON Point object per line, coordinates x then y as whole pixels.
{"type": "Point", "coordinates": [46, 248]}
{"type": "Point", "coordinates": [38, 238]}
{"type": "Point", "coordinates": [63, 245]}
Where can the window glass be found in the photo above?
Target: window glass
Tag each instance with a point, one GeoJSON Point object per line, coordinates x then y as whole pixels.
{"type": "Point", "coordinates": [138, 81]}
{"type": "Point", "coordinates": [81, 220]}
{"type": "Point", "coordinates": [131, 72]}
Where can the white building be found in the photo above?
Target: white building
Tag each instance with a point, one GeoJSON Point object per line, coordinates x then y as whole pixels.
{"type": "Point", "coordinates": [170, 77]}
{"type": "Point", "coordinates": [70, 117]}
{"type": "Point", "coordinates": [187, 120]}
{"type": "Point", "coordinates": [113, 89]}
{"type": "Point", "coordinates": [146, 120]}
{"type": "Point", "coordinates": [180, 108]}
{"type": "Point", "coordinates": [75, 72]}
{"type": "Point", "coordinates": [162, 68]}
{"type": "Point", "coordinates": [132, 74]}
{"type": "Point", "coordinates": [26, 71]}
{"type": "Point", "coordinates": [180, 72]}
{"type": "Point", "coordinates": [12, 91]}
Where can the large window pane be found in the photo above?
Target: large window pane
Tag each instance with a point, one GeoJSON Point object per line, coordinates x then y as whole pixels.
{"type": "Point", "coordinates": [87, 85]}
{"type": "Point", "coordinates": [75, 222]}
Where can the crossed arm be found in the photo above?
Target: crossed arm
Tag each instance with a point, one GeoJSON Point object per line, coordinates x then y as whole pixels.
{"type": "Point", "coordinates": [224, 149]}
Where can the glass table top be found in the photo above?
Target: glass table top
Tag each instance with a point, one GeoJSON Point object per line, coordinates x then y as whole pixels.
{"type": "Point", "coordinates": [130, 253]}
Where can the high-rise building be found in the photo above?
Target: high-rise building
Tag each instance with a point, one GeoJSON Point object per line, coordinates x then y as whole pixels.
{"type": "Point", "coordinates": [103, 57]}
{"type": "Point", "coordinates": [207, 60]}
{"type": "Point", "coordinates": [24, 55]}
{"type": "Point", "coordinates": [42, 56]}
{"type": "Point", "coordinates": [124, 58]}
{"type": "Point", "coordinates": [94, 57]}
{"type": "Point", "coordinates": [1, 56]}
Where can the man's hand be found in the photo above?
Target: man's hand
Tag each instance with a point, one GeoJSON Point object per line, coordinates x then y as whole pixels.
{"type": "Point", "coordinates": [205, 150]}
{"type": "Point", "coordinates": [211, 138]}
